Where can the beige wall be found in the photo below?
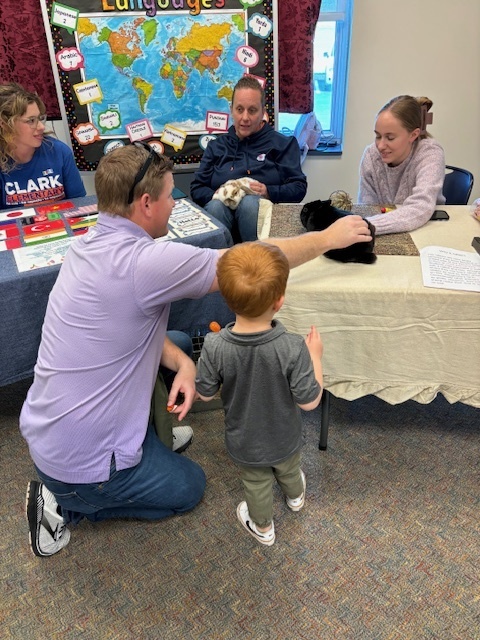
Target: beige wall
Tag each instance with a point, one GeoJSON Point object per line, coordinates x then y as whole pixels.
{"type": "Point", "coordinates": [419, 47]}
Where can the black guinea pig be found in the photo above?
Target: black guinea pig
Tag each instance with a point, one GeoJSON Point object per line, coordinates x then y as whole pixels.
{"type": "Point", "coordinates": [320, 214]}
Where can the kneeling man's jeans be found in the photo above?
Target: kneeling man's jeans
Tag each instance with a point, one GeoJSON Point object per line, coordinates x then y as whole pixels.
{"type": "Point", "coordinates": [161, 484]}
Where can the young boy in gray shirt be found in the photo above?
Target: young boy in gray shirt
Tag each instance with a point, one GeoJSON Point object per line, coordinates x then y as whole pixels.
{"type": "Point", "coordinates": [266, 375]}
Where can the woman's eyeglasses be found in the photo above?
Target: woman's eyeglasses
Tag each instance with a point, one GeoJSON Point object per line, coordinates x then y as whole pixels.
{"type": "Point", "coordinates": [152, 155]}
{"type": "Point", "coordinates": [34, 120]}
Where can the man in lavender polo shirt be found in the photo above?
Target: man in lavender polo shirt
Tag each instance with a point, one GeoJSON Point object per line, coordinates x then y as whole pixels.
{"type": "Point", "coordinates": [86, 416]}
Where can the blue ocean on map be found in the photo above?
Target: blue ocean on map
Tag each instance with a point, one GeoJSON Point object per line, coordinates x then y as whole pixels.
{"type": "Point", "coordinates": [126, 55]}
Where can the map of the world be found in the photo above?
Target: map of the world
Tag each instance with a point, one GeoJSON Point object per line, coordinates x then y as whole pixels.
{"type": "Point", "coordinates": [168, 71]}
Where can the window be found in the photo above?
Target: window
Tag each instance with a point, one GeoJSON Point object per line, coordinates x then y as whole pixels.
{"type": "Point", "coordinates": [330, 69]}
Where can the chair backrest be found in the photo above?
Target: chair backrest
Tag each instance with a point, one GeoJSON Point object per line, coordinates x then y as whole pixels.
{"type": "Point", "coordinates": [458, 185]}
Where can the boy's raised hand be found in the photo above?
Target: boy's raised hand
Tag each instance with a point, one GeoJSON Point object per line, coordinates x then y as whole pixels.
{"type": "Point", "coordinates": [314, 343]}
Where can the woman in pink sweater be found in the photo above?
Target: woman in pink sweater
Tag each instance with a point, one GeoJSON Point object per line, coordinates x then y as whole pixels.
{"type": "Point", "coordinates": [404, 167]}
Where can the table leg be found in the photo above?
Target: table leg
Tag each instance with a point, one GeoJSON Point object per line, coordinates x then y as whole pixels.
{"type": "Point", "coordinates": [325, 419]}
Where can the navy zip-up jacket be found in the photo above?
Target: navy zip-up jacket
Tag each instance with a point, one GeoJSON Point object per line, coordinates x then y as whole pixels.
{"type": "Point", "coordinates": [267, 156]}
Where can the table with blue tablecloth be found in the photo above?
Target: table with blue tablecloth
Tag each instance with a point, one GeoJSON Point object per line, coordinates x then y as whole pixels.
{"type": "Point", "coordinates": [24, 297]}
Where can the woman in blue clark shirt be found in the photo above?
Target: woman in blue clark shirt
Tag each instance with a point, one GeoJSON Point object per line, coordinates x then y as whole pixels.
{"type": "Point", "coordinates": [35, 168]}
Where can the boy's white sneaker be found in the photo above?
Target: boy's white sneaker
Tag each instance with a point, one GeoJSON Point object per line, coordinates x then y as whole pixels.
{"type": "Point", "coordinates": [295, 504]}
{"type": "Point", "coordinates": [264, 537]}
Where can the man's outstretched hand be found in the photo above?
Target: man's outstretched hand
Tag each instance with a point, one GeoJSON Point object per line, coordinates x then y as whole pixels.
{"type": "Point", "coordinates": [347, 231]}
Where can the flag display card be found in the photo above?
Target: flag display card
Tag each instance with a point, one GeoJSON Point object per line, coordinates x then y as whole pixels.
{"type": "Point", "coordinates": [38, 238]}
{"type": "Point", "coordinates": [17, 214]}
{"type": "Point", "coordinates": [10, 243]}
{"type": "Point", "coordinates": [52, 208]}
{"type": "Point", "coordinates": [81, 211]}
{"type": "Point", "coordinates": [43, 228]}
{"type": "Point", "coordinates": [10, 231]}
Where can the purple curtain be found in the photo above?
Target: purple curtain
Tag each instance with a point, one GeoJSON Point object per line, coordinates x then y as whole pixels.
{"type": "Point", "coordinates": [24, 56]}
{"type": "Point", "coordinates": [297, 20]}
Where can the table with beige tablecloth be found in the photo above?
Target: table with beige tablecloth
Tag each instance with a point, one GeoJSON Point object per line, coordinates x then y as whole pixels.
{"type": "Point", "coordinates": [384, 332]}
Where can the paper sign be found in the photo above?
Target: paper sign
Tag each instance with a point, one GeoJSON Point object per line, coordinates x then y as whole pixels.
{"type": "Point", "coordinates": [187, 220]}
{"type": "Point", "coordinates": [157, 146]}
{"type": "Point", "coordinates": [112, 145]}
{"type": "Point", "coordinates": [88, 91]}
{"type": "Point", "coordinates": [86, 133]}
{"type": "Point", "coordinates": [445, 268]}
{"type": "Point", "coordinates": [260, 25]}
{"type": "Point", "coordinates": [70, 59]}
{"type": "Point", "coordinates": [139, 130]}
{"type": "Point", "coordinates": [174, 137]}
{"type": "Point", "coordinates": [247, 56]}
{"type": "Point", "coordinates": [63, 16]}
{"type": "Point", "coordinates": [250, 3]}
{"type": "Point", "coordinates": [109, 119]}
{"type": "Point", "coordinates": [205, 139]}
{"type": "Point", "coordinates": [216, 121]}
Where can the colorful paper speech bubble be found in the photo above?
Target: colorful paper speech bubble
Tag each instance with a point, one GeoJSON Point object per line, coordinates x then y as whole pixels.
{"type": "Point", "coordinates": [247, 56]}
{"type": "Point", "coordinates": [260, 25]}
{"type": "Point", "coordinates": [63, 16]}
{"type": "Point", "coordinates": [174, 137]}
{"type": "Point", "coordinates": [70, 59]}
{"type": "Point", "coordinates": [109, 119]}
{"type": "Point", "coordinates": [248, 4]}
{"type": "Point", "coordinates": [216, 121]}
{"type": "Point", "coordinates": [157, 146]}
{"type": "Point", "coordinates": [86, 133]}
{"type": "Point", "coordinates": [88, 91]}
{"type": "Point", "coordinates": [112, 145]}
{"type": "Point", "coordinates": [205, 139]}
{"type": "Point", "coordinates": [139, 130]}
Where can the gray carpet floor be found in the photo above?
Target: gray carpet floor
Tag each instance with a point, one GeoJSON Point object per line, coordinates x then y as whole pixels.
{"type": "Point", "coordinates": [387, 546]}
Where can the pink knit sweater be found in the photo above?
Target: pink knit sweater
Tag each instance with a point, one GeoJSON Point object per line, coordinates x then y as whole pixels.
{"type": "Point", "coordinates": [414, 186]}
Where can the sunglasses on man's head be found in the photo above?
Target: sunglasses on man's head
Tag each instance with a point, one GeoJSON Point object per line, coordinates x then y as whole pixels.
{"type": "Point", "coordinates": [152, 155]}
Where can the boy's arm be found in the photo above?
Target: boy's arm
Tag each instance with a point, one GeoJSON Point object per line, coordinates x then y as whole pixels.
{"type": "Point", "coordinates": [315, 348]}
{"type": "Point", "coordinates": [206, 379]}
{"type": "Point", "coordinates": [204, 398]}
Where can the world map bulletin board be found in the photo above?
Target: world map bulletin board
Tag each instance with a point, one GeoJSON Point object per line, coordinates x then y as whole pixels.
{"type": "Point", "coordinates": [161, 71]}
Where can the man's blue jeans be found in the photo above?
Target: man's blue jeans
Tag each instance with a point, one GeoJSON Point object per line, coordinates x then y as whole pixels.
{"type": "Point", "coordinates": [161, 484]}
{"type": "Point", "coordinates": [241, 222]}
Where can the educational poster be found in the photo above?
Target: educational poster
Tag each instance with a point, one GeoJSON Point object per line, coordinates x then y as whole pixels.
{"type": "Point", "coordinates": [161, 71]}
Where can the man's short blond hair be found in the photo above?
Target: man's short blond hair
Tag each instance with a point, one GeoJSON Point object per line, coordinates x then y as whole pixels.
{"type": "Point", "coordinates": [116, 173]}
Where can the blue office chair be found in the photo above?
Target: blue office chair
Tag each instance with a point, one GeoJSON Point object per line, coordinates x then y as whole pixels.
{"type": "Point", "coordinates": [458, 185]}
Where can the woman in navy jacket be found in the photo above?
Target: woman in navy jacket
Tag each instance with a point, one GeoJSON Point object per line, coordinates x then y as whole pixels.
{"type": "Point", "coordinates": [251, 148]}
